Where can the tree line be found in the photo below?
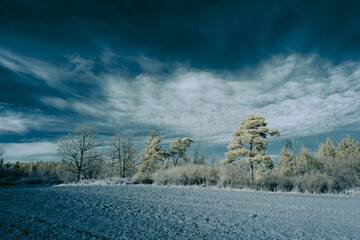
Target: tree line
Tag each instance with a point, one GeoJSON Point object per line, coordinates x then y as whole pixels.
{"type": "Point", "coordinates": [246, 164]}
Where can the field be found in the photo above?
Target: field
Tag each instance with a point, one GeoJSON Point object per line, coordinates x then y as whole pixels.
{"type": "Point", "coordinates": [147, 212]}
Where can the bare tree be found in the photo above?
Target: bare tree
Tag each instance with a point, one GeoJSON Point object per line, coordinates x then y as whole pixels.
{"type": "Point", "coordinates": [198, 155]}
{"type": "Point", "coordinates": [213, 159]}
{"type": "Point", "coordinates": [293, 148]}
{"type": "Point", "coordinates": [1, 153]}
{"type": "Point", "coordinates": [79, 149]}
{"type": "Point", "coordinates": [123, 150]}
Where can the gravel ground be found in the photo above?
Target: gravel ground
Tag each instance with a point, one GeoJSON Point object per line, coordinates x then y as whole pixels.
{"type": "Point", "coordinates": [146, 212]}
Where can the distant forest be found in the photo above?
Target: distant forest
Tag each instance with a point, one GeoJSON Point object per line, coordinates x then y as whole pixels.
{"type": "Point", "coordinates": [332, 169]}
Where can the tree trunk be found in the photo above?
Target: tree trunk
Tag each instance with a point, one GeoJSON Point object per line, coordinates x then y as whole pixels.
{"type": "Point", "coordinates": [252, 168]}
{"type": "Point", "coordinates": [252, 173]}
{"type": "Point", "coordinates": [175, 162]}
{"type": "Point", "coordinates": [123, 169]}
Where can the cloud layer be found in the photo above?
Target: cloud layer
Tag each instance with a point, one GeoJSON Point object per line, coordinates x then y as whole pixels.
{"type": "Point", "coordinates": [185, 68]}
{"type": "Point", "coordinates": [299, 95]}
{"type": "Point", "coordinates": [38, 151]}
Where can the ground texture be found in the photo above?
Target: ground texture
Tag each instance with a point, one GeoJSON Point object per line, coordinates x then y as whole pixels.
{"type": "Point", "coordinates": [145, 212]}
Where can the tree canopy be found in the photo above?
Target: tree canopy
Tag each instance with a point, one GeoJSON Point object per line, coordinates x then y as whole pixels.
{"type": "Point", "coordinates": [250, 142]}
{"type": "Point", "coordinates": [177, 150]}
{"type": "Point", "coordinates": [152, 155]}
{"type": "Point", "coordinates": [79, 149]}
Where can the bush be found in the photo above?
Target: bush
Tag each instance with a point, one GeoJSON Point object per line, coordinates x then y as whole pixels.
{"type": "Point", "coordinates": [235, 175]}
{"type": "Point", "coordinates": [188, 175]}
{"type": "Point", "coordinates": [143, 178]}
{"type": "Point", "coordinates": [265, 180]}
{"type": "Point", "coordinates": [286, 184]}
{"type": "Point", "coordinates": [318, 183]}
{"type": "Point", "coordinates": [315, 182]}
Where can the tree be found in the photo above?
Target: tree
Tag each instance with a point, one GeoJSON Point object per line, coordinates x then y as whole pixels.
{"type": "Point", "coordinates": [285, 164]}
{"type": "Point", "coordinates": [325, 154]}
{"type": "Point", "coordinates": [79, 149]}
{"type": "Point", "coordinates": [213, 159]}
{"type": "Point", "coordinates": [326, 150]}
{"type": "Point", "coordinates": [305, 162]}
{"type": "Point", "coordinates": [347, 146]}
{"type": "Point", "coordinates": [152, 155]}
{"type": "Point", "coordinates": [293, 148]}
{"type": "Point", "coordinates": [198, 156]}
{"type": "Point", "coordinates": [1, 153]}
{"type": "Point", "coordinates": [177, 150]}
{"type": "Point", "coordinates": [347, 156]}
{"type": "Point", "coordinates": [249, 144]}
{"type": "Point", "coordinates": [122, 149]}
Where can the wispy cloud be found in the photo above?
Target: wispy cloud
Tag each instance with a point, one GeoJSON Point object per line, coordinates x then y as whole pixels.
{"type": "Point", "coordinates": [37, 68]}
{"type": "Point", "coordinates": [22, 121]}
{"type": "Point", "coordinates": [76, 69]}
{"type": "Point", "coordinates": [14, 122]}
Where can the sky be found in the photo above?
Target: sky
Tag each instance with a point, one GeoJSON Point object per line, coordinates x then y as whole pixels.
{"type": "Point", "coordinates": [184, 68]}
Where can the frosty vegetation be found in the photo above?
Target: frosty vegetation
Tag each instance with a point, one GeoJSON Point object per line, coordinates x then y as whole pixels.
{"type": "Point", "coordinates": [246, 165]}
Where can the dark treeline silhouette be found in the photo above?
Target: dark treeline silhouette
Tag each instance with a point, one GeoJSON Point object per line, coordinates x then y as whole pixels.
{"type": "Point", "coordinates": [331, 169]}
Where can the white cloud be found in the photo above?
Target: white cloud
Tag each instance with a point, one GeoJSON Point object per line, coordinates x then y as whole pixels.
{"type": "Point", "coordinates": [300, 95]}
{"type": "Point", "coordinates": [55, 102]}
{"type": "Point", "coordinates": [26, 65]}
{"type": "Point", "coordinates": [14, 122]}
{"type": "Point", "coordinates": [77, 69]}
{"type": "Point", "coordinates": [36, 151]}
{"type": "Point", "coordinates": [20, 122]}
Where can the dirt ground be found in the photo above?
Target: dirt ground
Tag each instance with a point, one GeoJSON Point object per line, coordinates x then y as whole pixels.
{"type": "Point", "coordinates": [148, 212]}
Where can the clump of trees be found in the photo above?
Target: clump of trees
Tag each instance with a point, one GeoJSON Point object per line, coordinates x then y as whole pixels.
{"type": "Point", "coordinates": [153, 158]}
{"type": "Point", "coordinates": [331, 169]}
{"type": "Point", "coordinates": [123, 152]}
{"type": "Point", "coordinates": [246, 164]}
{"type": "Point", "coordinates": [29, 173]}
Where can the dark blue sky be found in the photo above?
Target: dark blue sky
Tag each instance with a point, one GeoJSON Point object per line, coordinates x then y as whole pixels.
{"type": "Point", "coordinates": [184, 68]}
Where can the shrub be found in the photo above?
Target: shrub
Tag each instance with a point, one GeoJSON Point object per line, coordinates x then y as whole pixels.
{"type": "Point", "coordinates": [265, 180]}
{"type": "Point", "coordinates": [235, 175]}
{"type": "Point", "coordinates": [188, 175]}
{"type": "Point", "coordinates": [142, 177]}
{"type": "Point", "coordinates": [315, 182]}
{"type": "Point", "coordinates": [286, 184]}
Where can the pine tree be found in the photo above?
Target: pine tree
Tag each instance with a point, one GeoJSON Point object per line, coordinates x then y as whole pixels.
{"type": "Point", "coordinates": [305, 162]}
{"type": "Point", "coordinates": [326, 150]}
{"type": "Point", "coordinates": [152, 155]}
{"type": "Point", "coordinates": [177, 150]}
{"type": "Point", "coordinates": [285, 164]}
{"type": "Point", "coordinates": [347, 146]}
{"type": "Point", "coordinates": [347, 156]}
{"type": "Point", "coordinates": [249, 144]}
